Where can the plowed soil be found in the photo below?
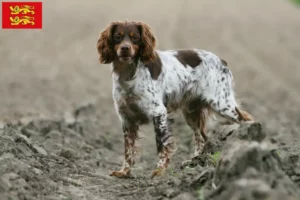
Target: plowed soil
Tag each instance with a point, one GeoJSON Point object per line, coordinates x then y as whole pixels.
{"type": "Point", "coordinates": [59, 134]}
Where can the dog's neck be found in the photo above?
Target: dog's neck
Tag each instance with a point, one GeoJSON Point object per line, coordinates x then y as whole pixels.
{"type": "Point", "coordinates": [125, 71]}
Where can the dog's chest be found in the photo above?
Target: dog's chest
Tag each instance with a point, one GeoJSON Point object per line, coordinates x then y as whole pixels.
{"type": "Point", "coordinates": [131, 108]}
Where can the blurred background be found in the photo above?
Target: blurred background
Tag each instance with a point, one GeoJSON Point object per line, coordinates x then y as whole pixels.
{"type": "Point", "coordinates": [50, 71]}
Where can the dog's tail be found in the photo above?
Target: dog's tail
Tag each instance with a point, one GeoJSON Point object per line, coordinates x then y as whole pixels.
{"type": "Point", "coordinates": [244, 115]}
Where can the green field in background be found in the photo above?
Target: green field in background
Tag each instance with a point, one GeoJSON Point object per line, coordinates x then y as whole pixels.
{"type": "Point", "coordinates": [296, 1]}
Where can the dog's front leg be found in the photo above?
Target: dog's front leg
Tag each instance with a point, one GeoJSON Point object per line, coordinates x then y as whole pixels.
{"type": "Point", "coordinates": [164, 141]}
{"type": "Point", "coordinates": [130, 135]}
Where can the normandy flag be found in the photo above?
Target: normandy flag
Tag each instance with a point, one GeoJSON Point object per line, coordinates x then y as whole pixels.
{"type": "Point", "coordinates": [21, 15]}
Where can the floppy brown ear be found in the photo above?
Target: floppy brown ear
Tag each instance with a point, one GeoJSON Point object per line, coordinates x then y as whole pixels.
{"type": "Point", "coordinates": [147, 53]}
{"type": "Point", "coordinates": [105, 45]}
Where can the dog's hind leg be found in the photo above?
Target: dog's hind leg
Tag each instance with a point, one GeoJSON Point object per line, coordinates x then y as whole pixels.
{"type": "Point", "coordinates": [196, 120]}
{"type": "Point", "coordinates": [196, 115]}
{"type": "Point", "coordinates": [224, 102]}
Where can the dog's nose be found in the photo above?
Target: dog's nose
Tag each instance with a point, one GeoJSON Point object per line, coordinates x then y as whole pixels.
{"type": "Point", "coordinates": [125, 48]}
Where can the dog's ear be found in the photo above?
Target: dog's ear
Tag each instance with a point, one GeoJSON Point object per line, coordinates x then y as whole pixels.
{"type": "Point", "coordinates": [148, 43]}
{"type": "Point", "coordinates": [105, 44]}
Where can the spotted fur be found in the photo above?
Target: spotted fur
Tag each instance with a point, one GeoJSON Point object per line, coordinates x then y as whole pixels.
{"type": "Point", "coordinates": [197, 82]}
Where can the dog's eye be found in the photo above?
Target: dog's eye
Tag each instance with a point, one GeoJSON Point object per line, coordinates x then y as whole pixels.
{"type": "Point", "coordinates": [135, 38]}
{"type": "Point", "coordinates": [117, 38]}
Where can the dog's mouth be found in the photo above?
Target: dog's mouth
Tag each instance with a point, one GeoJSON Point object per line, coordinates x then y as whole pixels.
{"type": "Point", "coordinates": [124, 58]}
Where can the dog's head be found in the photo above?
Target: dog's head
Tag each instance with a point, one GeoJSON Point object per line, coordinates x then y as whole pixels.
{"type": "Point", "coordinates": [126, 41]}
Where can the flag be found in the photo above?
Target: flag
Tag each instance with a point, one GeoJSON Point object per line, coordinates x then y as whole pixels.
{"type": "Point", "coordinates": [21, 15]}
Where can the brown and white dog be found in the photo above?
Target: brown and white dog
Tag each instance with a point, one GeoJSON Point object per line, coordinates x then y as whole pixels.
{"type": "Point", "coordinates": [148, 85]}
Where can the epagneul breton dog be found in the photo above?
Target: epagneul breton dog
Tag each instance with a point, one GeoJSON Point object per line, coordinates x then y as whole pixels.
{"type": "Point", "coordinates": [148, 85]}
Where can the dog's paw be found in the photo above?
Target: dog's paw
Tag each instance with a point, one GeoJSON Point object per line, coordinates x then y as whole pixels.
{"type": "Point", "coordinates": [121, 174]}
{"type": "Point", "coordinates": [158, 172]}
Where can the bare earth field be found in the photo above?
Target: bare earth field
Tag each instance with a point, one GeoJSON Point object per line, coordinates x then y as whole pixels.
{"type": "Point", "coordinates": [59, 134]}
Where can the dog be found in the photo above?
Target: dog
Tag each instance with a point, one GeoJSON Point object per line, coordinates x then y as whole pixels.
{"type": "Point", "coordinates": [150, 85]}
